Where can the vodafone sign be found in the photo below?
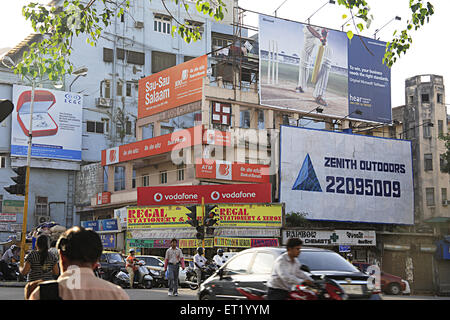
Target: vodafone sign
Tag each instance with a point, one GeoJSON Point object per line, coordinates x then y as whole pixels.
{"type": "Point", "coordinates": [185, 195]}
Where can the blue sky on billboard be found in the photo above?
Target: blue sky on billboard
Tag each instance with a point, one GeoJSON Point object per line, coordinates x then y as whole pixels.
{"type": "Point", "coordinates": [419, 60]}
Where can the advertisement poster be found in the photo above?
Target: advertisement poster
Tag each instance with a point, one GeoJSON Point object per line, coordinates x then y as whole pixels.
{"type": "Point", "coordinates": [335, 176]}
{"type": "Point", "coordinates": [331, 237]}
{"type": "Point", "coordinates": [57, 123]}
{"type": "Point", "coordinates": [190, 195]}
{"type": "Point", "coordinates": [303, 67]}
{"type": "Point", "coordinates": [173, 87]}
{"type": "Point", "coordinates": [157, 217]}
{"type": "Point", "coordinates": [249, 215]}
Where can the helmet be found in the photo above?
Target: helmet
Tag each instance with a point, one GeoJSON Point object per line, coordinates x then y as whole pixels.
{"type": "Point", "coordinates": [200, 250]}
{"type": "Point", "coordinates": [13, 247]}
{"type": "Point", "coordinates": [131, 250]}
{"type": "Point", "coordinates": [219, 251]}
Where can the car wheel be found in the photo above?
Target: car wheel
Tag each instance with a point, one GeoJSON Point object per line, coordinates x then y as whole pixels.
{"type": "Point", "coordinates": [148, 284]}
{"type": "Point", "coordinates": [395, 289]}
{"type": "Point", "coordinates": [206, 296]}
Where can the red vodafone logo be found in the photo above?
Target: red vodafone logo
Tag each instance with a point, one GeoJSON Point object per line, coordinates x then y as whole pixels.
{"type": "Point", "coordinates": [215, 195]}
{"type": "Point", "coordinates": [158, 197]}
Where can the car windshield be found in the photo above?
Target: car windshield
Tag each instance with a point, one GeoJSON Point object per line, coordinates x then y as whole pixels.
{"type": "Point", "coordinates": [325, 261]}
{"type": "Point", "coordinates": [153, 262]}
{"type": "Point", "coordinates": [115, 258]}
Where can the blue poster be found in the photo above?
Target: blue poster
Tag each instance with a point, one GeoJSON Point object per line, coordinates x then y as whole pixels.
{"type": "Point", "coordinates": [108, 240]}
{"type": "Point", "coordinates": [101, 225]}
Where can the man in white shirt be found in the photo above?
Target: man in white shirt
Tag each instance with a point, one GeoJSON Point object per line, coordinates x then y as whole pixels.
{"type": "Point", "coordinates": [286, 272]}
{"type": "Point", "coordinates": [174, 258]}
{"type": "Point", "coordinates": [199, 264]}
{"type": "Point", "coordinates": [219, 259]}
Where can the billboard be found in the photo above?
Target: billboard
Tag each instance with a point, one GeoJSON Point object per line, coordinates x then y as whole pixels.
{"type": "Point", "coordinates": [172, 87]}
{"type": "Point", "coordinates": [303, 67]}
{"type": "Point", "coordinates": [331, 237]}
{"type": "Point", "coordinates": [335, 176]}
{"type": "Point", "coordinates": [189, 195]}
{"type": "Point", "coordinates": [157, 217]}
{"type": "Point", "coordinates": [249, 215]}
{"type": "Point", "coordinates": [57, 123]}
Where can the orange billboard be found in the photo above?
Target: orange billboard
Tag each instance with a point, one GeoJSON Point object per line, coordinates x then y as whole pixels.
{"type": "Point", "coordinates": [172, 87]}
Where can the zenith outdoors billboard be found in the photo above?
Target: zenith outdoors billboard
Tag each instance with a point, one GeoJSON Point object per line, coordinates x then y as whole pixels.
{"type": "Point", "coordinates": [303, 67]}
{"type": "Point", "coordinates": [335, 176]}
{"type": "Point", "coordinates": [190, 195]}
{"type": "Point", "coordinates": [173, 87]}
{"type": "Point", "coordinates": [57, 123]}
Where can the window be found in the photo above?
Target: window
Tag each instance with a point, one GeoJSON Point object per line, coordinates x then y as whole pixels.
{"type": "Point", "coordinates": [221, 113]}
{"type": "Point", "coordinates": [129, 128]}
{"type": "Point", "coordinates": [2, 162]}
{"type": "Point", "coordinates": [410, 99]}
{"type": "Point", "coordinates": [133, 57]}
{"type": "Point", "coordinates": [194, 26]}
{"type": "Point", "coordinates": [444, 196]}
{"type": "Point", "coordinates": [180, 172]}
{"type": "Point", "coordinates": [128, 89]}
{"type": "Point", "coordinates": [440, 98]}
{"type": "Point", "coordinates": [147, 131]}
{"type": "Point", "coordinates": [430, 197]}
{"type": "Point", "coordinates": [261, 124]}
{"type": "Point", "coordinates": [162, 24]}
{"type": "Point", "coordinates": [440, 128]}
{"type": "Point", "coordinates": [428, 161]}
{"type": "Point", "coordinates": [95, 126]}
{"type": "Point", "coordinates": [119, 178]}
{"type": "Point", "coordinates": [107, 89]}
{"type": "Point", "coordinates": [425, 98]}
{"type": "Point", "coordinates": [443, 163]}
{"type": "Point", "coordinates": [427, 130]}
{"type": "Point", "coordinates": [163, 177]}
{"type": "Point", "coordinates": [245, 119]}
{"type": "Point", "coordinates": [146, 181]}
{"type": "Point", "coordinates": [133, 181]}
{"type": "Point", "coordinates": [239, 264]}
{"type": "Point", "coordinates": [184, 121]}
{"type": "Point", "coordinates": [263, 263]}
{"type": "Point", "coordinates": [41, 206]}
{"type": "Point", "coordinates": [105, 178]}
{"type": "Point", "coordinates": [162, 61]}
{"type": "Point", "coordinates": [188, 58]}
{"type": "Point", "coordinates": [119, 88]}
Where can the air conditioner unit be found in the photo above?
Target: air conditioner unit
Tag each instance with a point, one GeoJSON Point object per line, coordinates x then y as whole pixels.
{"type": "Point", "coordinates": [103, 102]}
{"type": "Point", "coordinates": [42, 219]}
{"type": "Point", "coordinates": [138, 24]}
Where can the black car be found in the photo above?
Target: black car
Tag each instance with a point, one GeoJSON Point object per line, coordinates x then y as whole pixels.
{"type": "Point", "coordinates": [251, 268]}
{"type": "Point", "coordinates": [111, 263]}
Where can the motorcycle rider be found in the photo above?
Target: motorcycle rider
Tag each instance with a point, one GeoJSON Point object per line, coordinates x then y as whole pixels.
{"type": "Point", "coordinates": [131, 266]}
{"type": "Point", "coordinates": [219, 259]}
{"type": "Point", "coordinates": [286, 272]}
{"type": "Point", "coordinates": [10, 256]}
{"type": "Point", "coordinates": [199, 264]}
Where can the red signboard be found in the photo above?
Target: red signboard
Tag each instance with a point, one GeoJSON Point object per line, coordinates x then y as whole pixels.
{"type": "Point", "coordinates": [226, 170]}
{"type": "Point", "coordinates": [103, 198]}
{"type": "Point", "coordinates": [186, 195]}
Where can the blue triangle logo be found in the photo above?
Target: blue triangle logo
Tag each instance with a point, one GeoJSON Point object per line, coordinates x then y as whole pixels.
{"type": "Point", "coordinates": [307, 178]}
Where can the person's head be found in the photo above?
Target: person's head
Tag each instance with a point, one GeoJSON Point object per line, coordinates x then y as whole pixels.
{"type": "Point", "coordinates": [53, 244]}
{"type": "Point", "coordinates": [220, 252]}
{"type": "Point", "coordinates": [131, 252]}
{"type": "Point", "coordinates": [293, 247]}
{"type": "Point", "coordinates": [14, 249]}
{"type": "Point", "coordinates": [200, 250]}
{"type": "Point", "coordinates": [173, 243]}
{"type": "Point", "coordinates": [79, 246]}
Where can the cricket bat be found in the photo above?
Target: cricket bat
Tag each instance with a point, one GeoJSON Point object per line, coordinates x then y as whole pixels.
{"type": "Point", "coordinates": [317, 65]}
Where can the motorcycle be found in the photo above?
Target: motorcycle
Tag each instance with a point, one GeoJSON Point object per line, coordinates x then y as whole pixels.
{"type": "Point", "coordinates": [98, 271]}
{"type": "Point", "coordinates": [12, 272]}
{"type": "Point", "coordinates": [323, 289]}
{"type": "Point", "coordinates": [142, 277]}
{"type": "Point", "coordinates": [191, 275]}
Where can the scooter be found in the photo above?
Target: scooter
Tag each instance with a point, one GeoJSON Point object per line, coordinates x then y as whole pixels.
{"type": "Point", "coordinates": [191, 275]}
{"type": "Point", "coordinates": [323, 289]}
{"type": "Point", "coordinates": [142, 277]}
{"type": "Point", "coordinates": [13, 272]}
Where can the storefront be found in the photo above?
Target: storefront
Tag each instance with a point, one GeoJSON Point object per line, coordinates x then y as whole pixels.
{"type": "Point", "coordinates": [355, 245]}
{"type": "Point", "coordinates": [239, 227]}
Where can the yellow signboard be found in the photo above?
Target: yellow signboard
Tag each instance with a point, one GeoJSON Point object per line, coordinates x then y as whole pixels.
{"type": "Point", "coordinates": [157, 217]}
{"type": "Point", "coordinates": [249, 215]}
{"type": "Point", "coordinates": [232, 242]}
{"type": "Point", "coordinates": [195, 243]}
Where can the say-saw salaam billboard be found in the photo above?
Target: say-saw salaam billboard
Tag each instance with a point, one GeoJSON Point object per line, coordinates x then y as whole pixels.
{"type": "Point", "coordinates": [344, 177]}
{"type": "Point", "coordinates": [303, 67]}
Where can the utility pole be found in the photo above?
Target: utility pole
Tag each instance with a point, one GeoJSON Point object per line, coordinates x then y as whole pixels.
{"type": "Point", "coordinates": [203, 217]}
{"type": "Point", "coordinates": [27, 179]}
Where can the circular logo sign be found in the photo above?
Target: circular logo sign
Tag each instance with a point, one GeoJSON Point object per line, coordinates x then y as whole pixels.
{"type": "Point", "coordinates": [157, 197]}
{"type": "Point", "coordinates": [215, 195]}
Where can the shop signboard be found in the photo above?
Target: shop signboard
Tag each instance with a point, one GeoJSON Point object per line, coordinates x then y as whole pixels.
{"type": "Point", "coordinates": [157, 217]}
{"type": "Point", "coordinates": [57, 123]}
{"type": "Point", "coordinates": [335, 176]}
{"type": "Point", "coordinates": [172, 87]}
{"type": "Point", "coordinates": [190, 195]}
{"type": "Point", "coordinates": [8, 217]}
{"type": "Point", "coordinates": [232, 171]}
{"type": "Point", "coordinates": [195, 243]}
{"type": "Point", "coordinates": [149, 243]}
{"type": "Point", "coordinates": [331, 237]}
{"type": "Point", "coordinates": [244, 242]}
{"type": "Point", "coordinates": [103, 198]}
{"type": "Point", "coordinates": [108, 240]}
{"type": "Point", "coordinates": [249, 215]}
{"type": "Point", "coordinates": [13, 206]}
{"type": "Point", "coordinates": [102, 225]}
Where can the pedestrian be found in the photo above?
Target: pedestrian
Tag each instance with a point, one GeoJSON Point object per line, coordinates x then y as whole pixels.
{"type": "Point", "coordinates": [40, 264]}
{"type": "Point", "coordinates": [10, 256]}
{"type": "Point", "coordinates": [79, 251]}
{"type": "Point", "coordinates": [199, 264]}
{"type": "Point", "coordinates": [131, 266]}
{"type": "Point", "coordinates": [173, 260]}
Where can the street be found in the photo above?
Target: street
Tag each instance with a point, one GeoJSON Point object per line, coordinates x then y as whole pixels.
{"type": "Point", "coordinates": [7, 293]}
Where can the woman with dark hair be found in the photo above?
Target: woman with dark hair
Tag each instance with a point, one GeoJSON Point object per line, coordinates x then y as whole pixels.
{"type": "Point", "coordinates": [40, 264]}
